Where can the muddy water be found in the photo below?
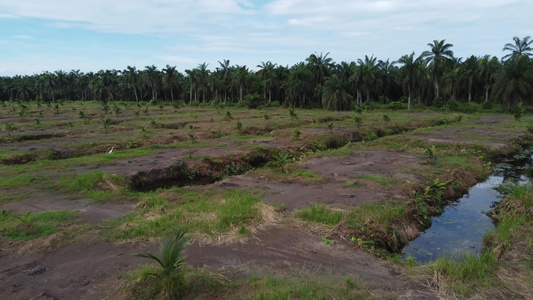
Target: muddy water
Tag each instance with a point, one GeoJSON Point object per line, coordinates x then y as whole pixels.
{"type": "Point", "coordinates": [460, 228]}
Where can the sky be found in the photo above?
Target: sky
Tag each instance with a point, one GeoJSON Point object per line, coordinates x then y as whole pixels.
{"type": "Point", "coordinates": [93, 35]}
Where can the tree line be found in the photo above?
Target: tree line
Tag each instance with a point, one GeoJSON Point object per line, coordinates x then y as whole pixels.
{"type": "Point", "coordinates": [434, 77]}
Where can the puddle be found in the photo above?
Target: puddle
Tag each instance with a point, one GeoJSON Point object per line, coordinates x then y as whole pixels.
{"type": "Point", "coordinates": [462, 225]}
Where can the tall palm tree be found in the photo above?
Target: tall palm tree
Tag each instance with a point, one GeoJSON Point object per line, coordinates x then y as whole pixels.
{"type": "Point", "coordinates": [240, 79]}
{"type": "Point", "coordinates": [471, 66]}
{"type": "Point", "coordinates": [520, 47]}
{"type": "Point", "coordinates": [409, 73]}
{"type": "Point", "coordinates": [267, 75]}
{"type": "Point", "coordinates": [224, 73]}
{"type": "Point", "coordinates": [368, 70]}
{"type": "Point", "coordinates": [203, 74]}
{"type": "Point", "coordinates": [515, 81]}
{"type": "Point", "coordinates": [335, 94]}
{"type": "Point", "coordinates": [131, 73]}
{"type": "Point", "coordinates": [454, 77]}
{"type": "Point", "coordinates": [487, 69]}
{"type": "Point", "coordinates": [299, 85]}
{"type": "Point", "coordinates": [169, 78]}
{"type": "Point", "coordinates": [437, 59]}
{"type": "Point", "coordinates": [154, 79]}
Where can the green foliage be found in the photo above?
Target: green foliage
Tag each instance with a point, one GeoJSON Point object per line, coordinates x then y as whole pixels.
{"type": "Point", "coordinates": [518, 111]}
{"type": "Point", "coordinates": [192, 136]}
{"type": "Point", "coordinates": [330, 126]}
{"type": "Point", "coordinates": [170, 277]}
{"type": "Point", "coordinates": [296, 134]}
{"type": "Point", "coordinates": [282, 159]}
{"type": "Point", "coordinates": [292, 114]}
{"type": "Point", "coordinates": [386, 118]}
{"type": "Point", "coordinates": [431, 153]}
{"type": "Point", "coordinates": [21, 227]}
{"type": "Point", "coordinates": [229, 116]}
{"type": "Point", "coordinates": [319, 213]}
{"type": "Point", "coordinates": [467, 268]}
{"type": "Point", "coordinates": [106, 123]}
{"type": "Point", "coordinates": [9, 127]}
{"type": "Point", "coordinates": [238, 126]}
{"type": "Point", "coordinates": [358, 119]}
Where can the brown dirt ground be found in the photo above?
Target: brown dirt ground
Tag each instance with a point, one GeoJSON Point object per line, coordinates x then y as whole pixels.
{"type": "Point", "coordinates": [88, 268]}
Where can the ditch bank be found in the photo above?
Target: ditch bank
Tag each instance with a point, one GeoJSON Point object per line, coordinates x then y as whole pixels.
{"type": "Point", "coordinates": [406, 219]}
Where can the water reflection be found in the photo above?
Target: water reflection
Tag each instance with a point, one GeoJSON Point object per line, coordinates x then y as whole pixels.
{"type": "Point", "coordinates": [460, 228]}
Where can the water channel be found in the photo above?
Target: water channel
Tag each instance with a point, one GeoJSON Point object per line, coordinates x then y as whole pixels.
{"type": "Point", "coordinates": [462, 225]}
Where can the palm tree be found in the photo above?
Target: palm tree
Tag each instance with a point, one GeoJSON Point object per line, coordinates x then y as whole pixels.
{"type": "Point", "coordinates": [470, 67]}
{"type": "Point", "coordinates": [299, 85]}
{"type": "Point", "coordinates": [169, 78]}
{"type": "Point", "coordinates": [131, 73]}
{"type": "Point", "coordinates": [224, 72]}
{"type": "Point", "coordinates": [240, 79]}
{"type": "Point", "coordinates": [437, 59]}
{"type": "Point", "coordinates": [171, 261]}
{"type": "Point", "coordinates": [368, 75]}
{"type": "Point", "coordinates": [154, 79]}
{"type": "Point", "coordinates": [454, 77]}
{"type": "Point", "coordinates": [409, 73]}
{"type": "Point", "coordinates": [515, 81]}
{"type": "Point", "coordinates": [335, 95]}
{"type": "Point", "coordinates": [267, 75]}
{"type": "Point", "coordinates": [520, 47]}
{"type": "Point", "coordinates": [487, 68]}
{"type": "Point", "coordinates": [202, 74]}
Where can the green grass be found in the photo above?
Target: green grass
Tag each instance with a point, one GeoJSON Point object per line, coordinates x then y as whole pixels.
{"type": "Point", "coordinates": [205, 283]}
{"type": "Point", "coordinates": [382, 180]}
{"type": "Point", "coordinates": [21, 227]}
{"type": "Point", "coordinates": [319, 213]}
{"type": "Point", "coordinates": [206, 213]}
{"type": "Point", "coordinates": [382, 215]}
{"type": "Point", "coordinates": [17, 181]}
{"type": "Point", "coordinates": [98, 186]}
{"type": "Point", "coordinates": [468, 268]}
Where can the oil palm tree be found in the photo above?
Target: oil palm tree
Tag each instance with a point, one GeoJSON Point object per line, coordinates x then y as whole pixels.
{"type": "Point", "coordinates": [267, 75]}
{"type": "Point", "coordinates": [488, 67]}
{"type": "Point", "coordinates": [409, 74]}
{"type": "Point", "coordinates": [170, 75]}
{"type": "Point", "coordinates": [519, 47]}
{"type": "Point", "coordinates": [515, 81]}
{"type": "Point", "coordinates": [131, 73]}
{"type": "Point", "coordinates": [335, 94]}
{"type": "Point", "coordinates": [437, 59]}
{"type": "Point", "coordinates": [171, 260]}
{"type": "Point", "coordinates": [154, 79]}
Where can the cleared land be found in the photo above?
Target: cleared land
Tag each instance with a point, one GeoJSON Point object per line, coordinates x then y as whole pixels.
{"type": "Point", "coordinates": [301, 205]}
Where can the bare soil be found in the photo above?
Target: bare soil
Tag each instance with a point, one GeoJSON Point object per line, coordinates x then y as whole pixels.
{"type": "Point", "coordinates": [88, 268]}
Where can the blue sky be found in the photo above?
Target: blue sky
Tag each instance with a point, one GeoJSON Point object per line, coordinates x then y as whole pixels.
{"type": "Point", "coordinates": [37, 36]}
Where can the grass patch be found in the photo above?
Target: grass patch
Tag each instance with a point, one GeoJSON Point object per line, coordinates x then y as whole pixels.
{"type": "Point", "coordinates": [319, 213]}
{"type": "Point", "coordinates": [22, 227]}
{"type": "Point", "coordinates": [209, 213]}
{"type": "Point", "coordinates": [97, 186]}
{"type": "Point", "coordinates": [17, 181]}
{"type": "Point", "coordinates": [204, 283]}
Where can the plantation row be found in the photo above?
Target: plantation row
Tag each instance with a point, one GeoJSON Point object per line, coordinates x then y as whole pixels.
{"type": "Point", "coordinates": [434, 78]}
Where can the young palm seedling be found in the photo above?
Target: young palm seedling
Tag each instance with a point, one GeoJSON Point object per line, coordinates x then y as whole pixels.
{"type": "Point", "coordinates": [106, 124]}
{"type": "Point", "coordinates": [282, 160]}
{"type": "Point", "coordinates": [229, 117]}
{"type": "Point", "coordinates": [170, 276]}
{"type": "Point", "coordinates": [358, 119]}
{"type": "Point", "coordinates": [192, 136]}
{"type": "Point", "coordinates": [293, 114]}
{"type": "Point", "coordinates": [239, 127]}
{"type": "Point", "coordinates": [330, 126]}
{"type": "Point", "coordinates": [9, 127]}
{"type": "Point", "coordinates": [386, 118]}
{"type": "Point", "coordinates": [431, 153]}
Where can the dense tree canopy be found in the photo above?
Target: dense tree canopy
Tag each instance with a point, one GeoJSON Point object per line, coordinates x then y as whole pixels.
{"type": "Point", "coordinates": [434, 77]}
